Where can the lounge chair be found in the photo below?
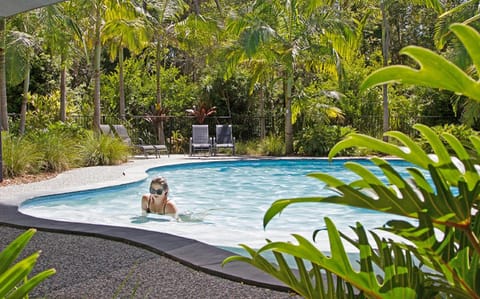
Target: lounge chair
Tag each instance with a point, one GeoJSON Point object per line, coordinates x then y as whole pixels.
{"type": "Point", "coordinates": [106, 130]}
{"type": "Point", "coordinates": [200, 139]}
{"type": "Point", "coordinates": [122, 133]}
{"type": "Point", "coordinates": [223, 138]}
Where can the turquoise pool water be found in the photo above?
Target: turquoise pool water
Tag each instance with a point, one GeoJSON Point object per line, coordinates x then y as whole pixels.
{"type": "Point", "coordinates": [225, 202]}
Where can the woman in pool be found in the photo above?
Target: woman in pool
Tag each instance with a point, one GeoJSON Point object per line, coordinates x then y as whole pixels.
{"type": "Point", "coordinates": [157, 201]}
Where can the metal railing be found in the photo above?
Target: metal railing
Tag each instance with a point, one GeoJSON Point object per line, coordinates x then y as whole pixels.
{"type": "Point", "coordinates": [245, 127]}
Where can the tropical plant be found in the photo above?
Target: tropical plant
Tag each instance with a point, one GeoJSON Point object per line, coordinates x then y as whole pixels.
{"type": "Point", "coordinates": [14, 280]}
{"type": "Point", "coordinates": [161, 18]}
{"type": "Point", "coordinates": [20, 156]}
{"type": "Point", "coordinates": [57, 147]}
{"type": "Point", "coordinates": [272, 145]}
{"type": "Point", "coordinates": [177, 142]}
{"type": "Point", "coordinates": [201, 112]}
{"type": "Point", "coordinates": [21, 46]}
{"type": "Point", "coordinates": [124, 29]}
{"type": "Point", "coordinates": [61, 33]}
{"type": "Point", "coordinates": [385, 6]}
{"type": "Point", "coordinates": [3, 78]}
{"type": "Point", "coordinates": [448, 208]}
{"type": "Point", "coordinates": [100, 149]}
{"type": "Point", "coordinates": [275, 34]}
{"type": "Point", "coordinates": [435, 71]}
{"type": "Point", "coordinates": [318, 140]}
{"type": "Point", "coordinates": [461, 132]}
{"type": "Point", "coordinates": [443, 240]}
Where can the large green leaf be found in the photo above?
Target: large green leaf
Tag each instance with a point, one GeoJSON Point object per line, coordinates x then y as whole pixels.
{"type": "Point", "coordinates": [14, 281]}
{"type": "Point", "coordinates": [413, 153]}
{"type": "Point", "coordinates": [435, 71]}
{"type": "Point", "coordinates": [405, 199]}
{"type": "Point", "coordinates": [11, 252]}
{"type": "Point", "coordinates": [399, 279]}
{"type": "Point", "coordinates": [16, 274]}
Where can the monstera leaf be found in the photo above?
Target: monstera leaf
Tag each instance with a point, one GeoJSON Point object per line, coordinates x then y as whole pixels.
{"type": "Point", "coordinates": [442, 192]}
{"type": "Point", "coordinates": [435, 71]}
{"type": "Point", "coordinates": [402, 196]}
{"type": "Point", "coordinates": [399, 277]}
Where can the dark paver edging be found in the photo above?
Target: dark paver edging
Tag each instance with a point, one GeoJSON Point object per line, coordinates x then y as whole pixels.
{"type": "Point", "coordinates": [192, 253]}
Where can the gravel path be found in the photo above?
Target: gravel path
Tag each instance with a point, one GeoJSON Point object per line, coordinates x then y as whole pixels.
{"type": "Point", "coordinates": [89, 267]}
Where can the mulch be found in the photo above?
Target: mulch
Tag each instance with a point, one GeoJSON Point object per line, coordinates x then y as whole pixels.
{"type": "Point", "coordinates": [27, 178]}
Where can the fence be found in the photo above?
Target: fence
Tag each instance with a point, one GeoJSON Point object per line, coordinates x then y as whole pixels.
{"type": "Point", "coordinates": [246, 127]}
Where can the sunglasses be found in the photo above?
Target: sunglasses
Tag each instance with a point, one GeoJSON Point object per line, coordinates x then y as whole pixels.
{"type": "Point", "coordinates": [158, 191]}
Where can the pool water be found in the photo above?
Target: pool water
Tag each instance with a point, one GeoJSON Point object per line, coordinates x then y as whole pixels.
{"type": "Point", "coordinates": [223, 203]}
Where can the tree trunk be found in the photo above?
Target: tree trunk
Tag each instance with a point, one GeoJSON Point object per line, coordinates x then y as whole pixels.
{"type": "Point", "coordinates": [288, 113]}
{"type": "Point", "coordinates": [385, 50]}
{"type": "Point", "coordinates": [23, 107]}
{"type": "Point", "coordinates": [196, 7]}
{"type": "Point", "coordinates": [121, 83]}
{"type": "Point", "coordinates": [3, 78]}
{"type": "Point", "coordinates": [63, 91]}
{"type": "Point", "coordinates": [96, 70]}
{"type": "Point", "coordinates": [262, 112]}
{"type": "Point", "coordinates": [158, 68]}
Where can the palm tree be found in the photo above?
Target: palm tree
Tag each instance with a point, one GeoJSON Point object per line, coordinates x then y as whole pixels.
{"type": "Point", "coordinates": [384, 8]}
{"type": "Point", "coordinates": [60, 32]}
{"type": "Point", "coordinates": [124, 29]}
{"type": "Point", "coordinates": [3, 79]}
{"type": "Point", "coordinates": [280, 31]}
{"type": "Point", "coordinates": [161, 17]}
{"type": "Point", "coordinates": [21, 48]}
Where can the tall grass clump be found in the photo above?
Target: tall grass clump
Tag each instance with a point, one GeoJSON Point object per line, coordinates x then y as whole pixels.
{"type": "Point", "coordinates": [99, 149]}
{"type": "Point", "coordinates": [247, 147]}
{"type": "Point", "coordinates": [20, 156]}
{"type": "Point", "coordinates": [272, 146]}
{"type": "Point", "coordinates": [57, 144]}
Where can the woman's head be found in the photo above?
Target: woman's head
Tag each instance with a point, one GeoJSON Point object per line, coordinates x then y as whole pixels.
{"type": "Point", "coordinates": [159, 186]}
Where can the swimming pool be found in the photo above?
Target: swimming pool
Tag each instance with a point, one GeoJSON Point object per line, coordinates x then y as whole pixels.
{"type": "Point", "coordinates": [225, 202]}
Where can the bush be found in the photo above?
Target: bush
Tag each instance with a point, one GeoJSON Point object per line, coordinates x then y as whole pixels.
{"type": "Point", "coordinates": [20, 156]}
{"type": "Point", "coordinates": [99, 149]}
{"type": "Point", "coordinates": [272, 146]}
{"type": "Point", "coordinates": [247, 147]}
{"type": "Point", "coordinates": [57, 149]}
{"type": "Point", "coordinates": [318, 140]}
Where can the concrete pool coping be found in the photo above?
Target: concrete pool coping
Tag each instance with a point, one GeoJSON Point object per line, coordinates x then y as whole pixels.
{"type": "Point", "coordinates": [195, 254]}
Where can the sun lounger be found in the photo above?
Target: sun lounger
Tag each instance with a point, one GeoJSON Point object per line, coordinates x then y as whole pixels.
{"type": "Point", "coordinates": [223, 138]}
{"type": "Point", "coordinates": [200, 139]}
{"type": "Point", "coordinates": [146, 149]}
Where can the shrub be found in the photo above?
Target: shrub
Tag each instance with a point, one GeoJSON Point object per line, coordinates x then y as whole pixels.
{"type": "Point", "coordinates": [272, 146]}
{"type": "Point", "coordinates": [20, 156]}
{"type": "Point", "coordinates": [99, 149]}
{"type": "Point", "coordinates": [247, 147]}
{"type": "Point", "coordinates": [318, 140]}
{"type": "Point", "coordinates": [57, 149]}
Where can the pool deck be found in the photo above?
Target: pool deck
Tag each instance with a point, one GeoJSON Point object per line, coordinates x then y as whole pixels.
{"type": "Point", "coordinates": [179, 259]}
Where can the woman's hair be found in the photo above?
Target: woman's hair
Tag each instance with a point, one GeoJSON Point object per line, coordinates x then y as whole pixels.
{"type": "Point", "coordinates": [159, 181]}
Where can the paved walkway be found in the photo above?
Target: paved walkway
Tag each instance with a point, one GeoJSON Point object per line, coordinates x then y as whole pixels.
{"type": "Point", "coordinates": [96, 261]}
